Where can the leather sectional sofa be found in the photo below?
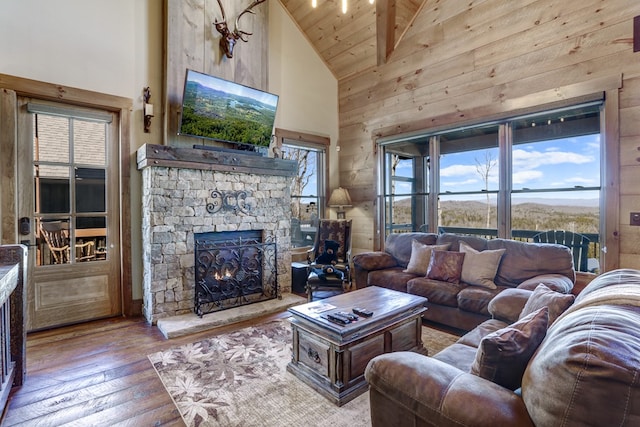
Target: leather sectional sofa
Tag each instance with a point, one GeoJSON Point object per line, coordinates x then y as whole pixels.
{"type": "Point", "coordinates": [461, 305]}
{"type": "Point", "coordinates": [581, 371]}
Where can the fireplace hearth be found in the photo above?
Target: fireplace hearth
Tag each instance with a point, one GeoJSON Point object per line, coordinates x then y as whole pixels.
{"type": "Point", "coordinates": [233, 268]}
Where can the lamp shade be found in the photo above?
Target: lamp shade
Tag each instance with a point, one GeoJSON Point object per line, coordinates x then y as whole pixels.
{"type": "Point", "coordinates": [339, 198]}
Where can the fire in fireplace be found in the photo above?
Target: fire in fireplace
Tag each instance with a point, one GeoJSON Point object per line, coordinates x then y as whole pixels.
{"type": "Point", "coordinates": [233, 268]}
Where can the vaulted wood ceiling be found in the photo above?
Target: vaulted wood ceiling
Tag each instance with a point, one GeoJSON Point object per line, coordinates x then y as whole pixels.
{"type": "Point", "coordinates": [363, 37]}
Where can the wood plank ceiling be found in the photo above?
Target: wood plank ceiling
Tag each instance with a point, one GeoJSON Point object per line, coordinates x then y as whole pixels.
{"type": "Point", "coordinates": [360, 39]}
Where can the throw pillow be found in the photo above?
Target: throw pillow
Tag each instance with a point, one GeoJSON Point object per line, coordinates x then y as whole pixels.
{"type": "Point", "coordinates": [503, 355]}
{"type": "Point", "coordinates": [542, 296]}
{"type": "Point", "coordinates": [445, 266]}
{"type": "Point", "coordinates": [480, 268]}
{"type": "Point", "coordinates": [420, 257]}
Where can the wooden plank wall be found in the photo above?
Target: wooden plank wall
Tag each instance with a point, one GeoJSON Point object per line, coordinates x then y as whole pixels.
{"type": "Point", "coordinates": [462, 61]}
{"type": "Point", "coordinates": [630, 170]}
{"type": "Point", "coordinates": [193, 42]}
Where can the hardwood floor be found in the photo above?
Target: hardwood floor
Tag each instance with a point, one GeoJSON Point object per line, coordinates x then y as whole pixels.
{"type": "Point", "coordinates": [98, 374]}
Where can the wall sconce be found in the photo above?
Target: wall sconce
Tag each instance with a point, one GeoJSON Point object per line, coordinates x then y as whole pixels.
{"type": "Point", "coordinates": [147, 109]}
{"type": "Point", "coordinates": [339, 199]}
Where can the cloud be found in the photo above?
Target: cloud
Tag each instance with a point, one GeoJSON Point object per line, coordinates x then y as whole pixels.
{"type": "Point", "coordinates": [576, 180]}
{"type": "Point", "coordinates": [533, 159]}
{"type": "Point", "coordinates": [459, 183]}
{"type": "Point", "coordinates": [521, 177]}
{"type": "Point", "coordinates": [468, 172]}
{"type": "Point", "coordinates": [458, 170]}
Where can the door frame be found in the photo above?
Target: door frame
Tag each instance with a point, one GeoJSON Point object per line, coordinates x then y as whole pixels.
{"type": "Point", "coordinates": [120, 106]}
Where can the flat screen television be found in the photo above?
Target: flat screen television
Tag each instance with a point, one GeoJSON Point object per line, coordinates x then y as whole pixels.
{"type": "Point", "coordinates": [226, 111]}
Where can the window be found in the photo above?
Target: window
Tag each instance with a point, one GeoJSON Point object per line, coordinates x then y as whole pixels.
{"type": "Point", "coordinates": [556, 162]}
{"type": "Point", "coordinates": [405, 188]}
{"type": "Point", "coordinates": [512, 178]}
{"type": "Point", "coordinates": [308, 187]}
{"type": "Point", "coordinates": [468, 166]}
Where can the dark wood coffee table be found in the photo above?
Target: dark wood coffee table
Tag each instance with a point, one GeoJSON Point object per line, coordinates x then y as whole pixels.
{"type": "Point", "coordinates": [332, 358]}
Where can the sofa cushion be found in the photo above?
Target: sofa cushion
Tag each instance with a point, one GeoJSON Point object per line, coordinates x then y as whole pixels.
{"type": "Point", "coordinates": [436, 291]}
{"type": "Point", "coordinates": [445, 266]}
{"type": "Point", "coordinates": [479, 268]}
{"type": "Point", "coordinates": [390, 278]}
{"type": "Point", "coordinates": [477, 243]}
{"type": "Point", "coordinates": [508, 304]}
{"type": "Point", "coordinates": [420, 257]}
{"type": "Point", "coordinates": [503, 355]}
{"type": "Point", "coordinates": [476, 299]}
{"type": "Point", "coordinates": [555, 282]}
{"type": "Point", "coordinates": [474, 337]}
{"type": "Point", "coordinates": [542, 296]}
{"type": "Point", "coordinates": [459, 355]}
{"type": "Point", "coordinates": [522, 261]}
{"type": "Point", "coordinates": [398, 245]}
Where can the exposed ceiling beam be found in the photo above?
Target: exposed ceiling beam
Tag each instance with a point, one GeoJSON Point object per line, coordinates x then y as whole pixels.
{"type": "Point", "coordinates": [385, 29]}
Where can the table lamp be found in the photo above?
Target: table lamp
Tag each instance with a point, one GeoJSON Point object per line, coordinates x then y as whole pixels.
{"type": "Point", "coordinates": [339, 199]}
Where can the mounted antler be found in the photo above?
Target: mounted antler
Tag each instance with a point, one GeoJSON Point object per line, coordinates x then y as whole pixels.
{"type": "Point", "coordinates": [229, 38]}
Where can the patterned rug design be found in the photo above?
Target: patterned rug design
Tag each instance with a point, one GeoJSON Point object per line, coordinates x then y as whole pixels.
{"type": "Point", "coordinates": [239, 379]}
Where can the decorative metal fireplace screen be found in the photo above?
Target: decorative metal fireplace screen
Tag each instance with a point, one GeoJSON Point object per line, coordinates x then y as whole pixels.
{"type": "Point", "coordinates": [233, 268]}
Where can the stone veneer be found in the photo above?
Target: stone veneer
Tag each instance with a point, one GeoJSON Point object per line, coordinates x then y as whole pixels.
{"type": "Point", "coordinates": [174, 208]}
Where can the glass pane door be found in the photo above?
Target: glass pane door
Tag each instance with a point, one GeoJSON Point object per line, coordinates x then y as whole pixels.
{"type": "Point", "coordinates": [69, 169]}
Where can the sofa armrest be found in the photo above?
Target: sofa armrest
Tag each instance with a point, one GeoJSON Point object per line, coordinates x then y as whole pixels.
{"type": "Point", "coordinates": [410, 386]}
{"type": "Point", "coordinates": [365, 262]}
{"type": "Point", "coordinates": [508, 304]}
{"type": "Point", "coordinates": [374, 261]}
{"type": "Point", "coordinates": [556, 282]}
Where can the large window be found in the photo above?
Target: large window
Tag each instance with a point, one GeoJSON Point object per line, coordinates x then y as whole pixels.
{"type": "Point", "coordinates": [513, 178]}
{"type": "Point", "coordinates": [308, 189]}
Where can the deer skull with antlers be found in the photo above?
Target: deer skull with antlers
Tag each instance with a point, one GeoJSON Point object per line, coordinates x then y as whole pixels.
{"type": "Point", "coordinates": [229, 38]}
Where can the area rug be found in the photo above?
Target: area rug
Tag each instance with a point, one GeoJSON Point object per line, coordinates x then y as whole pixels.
{"type": "Point", "coordinates": [240, 379]}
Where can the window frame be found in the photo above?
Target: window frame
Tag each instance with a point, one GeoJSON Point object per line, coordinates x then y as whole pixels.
{"type": "Point", "coordinates": [609, 164]}
{"type": "Point", "coordinates": [316, 143]}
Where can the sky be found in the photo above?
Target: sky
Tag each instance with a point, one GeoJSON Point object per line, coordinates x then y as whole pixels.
{"type": "Point", "coordinates": [562, 163]}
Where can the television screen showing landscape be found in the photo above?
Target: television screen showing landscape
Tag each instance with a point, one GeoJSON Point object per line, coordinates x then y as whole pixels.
{"type": "Point", "coordinates": [218, 109]}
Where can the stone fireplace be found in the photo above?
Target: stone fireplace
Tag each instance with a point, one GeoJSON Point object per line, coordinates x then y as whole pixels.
{"type": "Point", "coordinates": [194, 192]}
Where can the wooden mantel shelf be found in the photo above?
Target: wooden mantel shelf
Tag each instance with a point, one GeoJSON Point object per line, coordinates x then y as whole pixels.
{"type": "Point", "coordinates": [150, 155]}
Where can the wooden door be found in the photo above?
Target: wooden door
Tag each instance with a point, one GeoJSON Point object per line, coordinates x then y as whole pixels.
{"type": "Point", "coordinates": [68, 208]}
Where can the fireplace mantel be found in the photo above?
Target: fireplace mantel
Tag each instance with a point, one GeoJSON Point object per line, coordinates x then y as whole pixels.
{"type": "Point", "coordinates": [187, 191]}
{"type": "Point", "coordinates": [214, 160]}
